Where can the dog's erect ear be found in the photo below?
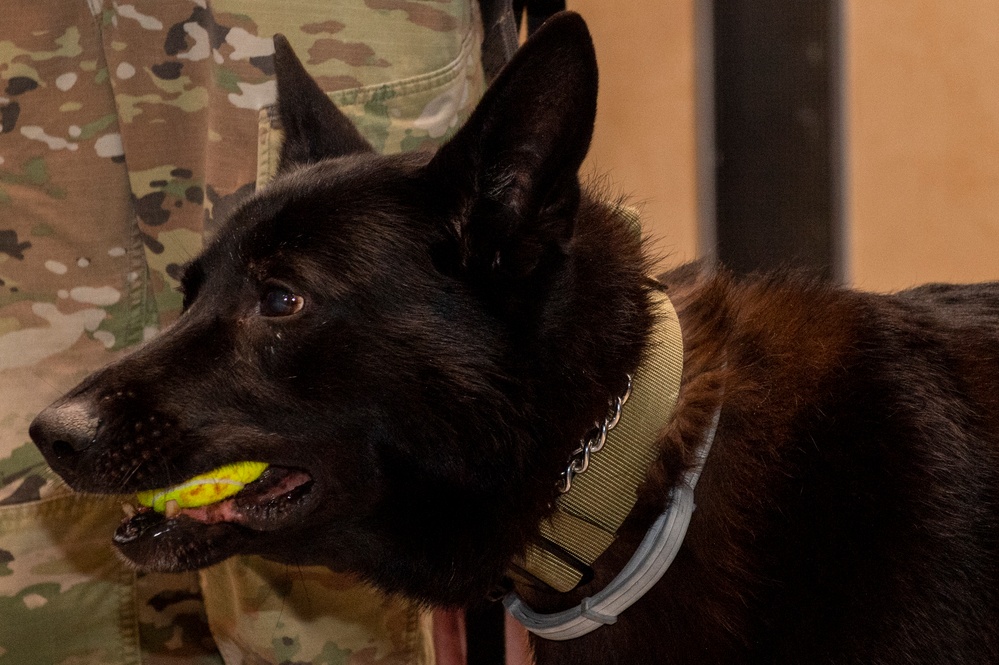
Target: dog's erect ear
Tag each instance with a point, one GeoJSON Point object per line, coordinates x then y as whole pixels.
{"type": "Point", "coordinates": [314, 128]}
{"type": "Point", "coordinates": [510, 174]}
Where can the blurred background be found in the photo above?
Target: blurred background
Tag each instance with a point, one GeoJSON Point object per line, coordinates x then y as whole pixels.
{"type": "Point", "coordinates": [856, 138]}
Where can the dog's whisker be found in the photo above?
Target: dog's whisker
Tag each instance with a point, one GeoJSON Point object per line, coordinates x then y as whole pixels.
{"type": "Point", "coordinates": [284, 603]}
{"type": "Point", "coordinates": [305, 585]}
{"type": "Point", "coordinates": [56, 390]}
{"type": "Point", "coordinates": [128, 477]}
{"type": "Point", "coordinates": [165, 463]}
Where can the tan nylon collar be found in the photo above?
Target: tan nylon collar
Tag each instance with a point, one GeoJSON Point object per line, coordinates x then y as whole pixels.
{"type": "Point", "coordinates": [588, 516]}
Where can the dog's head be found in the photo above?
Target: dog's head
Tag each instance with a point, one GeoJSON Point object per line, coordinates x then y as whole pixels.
{"type": "Point", "coordinates": [385, 331]}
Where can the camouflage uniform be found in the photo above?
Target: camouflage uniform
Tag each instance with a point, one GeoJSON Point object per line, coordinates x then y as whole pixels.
{"type": "Point", "coordinates": [126, 133]}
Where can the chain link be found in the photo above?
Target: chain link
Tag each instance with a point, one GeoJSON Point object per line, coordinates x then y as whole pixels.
{"type": "Point", "coordinates": [593, 442]}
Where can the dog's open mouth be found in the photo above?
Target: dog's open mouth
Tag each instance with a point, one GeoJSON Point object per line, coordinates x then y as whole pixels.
{"type": "Point", "coordinates": [186, 538]}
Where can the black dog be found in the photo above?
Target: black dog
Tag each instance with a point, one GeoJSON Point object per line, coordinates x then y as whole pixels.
{"type": "Point", "coordinates": [418, 345]}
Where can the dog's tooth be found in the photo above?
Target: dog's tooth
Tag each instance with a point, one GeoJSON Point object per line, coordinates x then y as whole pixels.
{"type": "Point", "coordinates": [172, 509]}
{"type": "Point", "coordinates": [129, 510]}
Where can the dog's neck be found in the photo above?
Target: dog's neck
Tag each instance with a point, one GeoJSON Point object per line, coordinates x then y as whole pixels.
{"type": "Point", "coordinates": [599, 489]}
{"type": "Point", "coordinates": [600, 483]}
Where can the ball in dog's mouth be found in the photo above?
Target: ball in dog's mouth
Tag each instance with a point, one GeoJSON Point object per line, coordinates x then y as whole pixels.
{"type": "Point", "coordinates": [188, 538]}
{"type": "Point", "coordinates": [204, 489]}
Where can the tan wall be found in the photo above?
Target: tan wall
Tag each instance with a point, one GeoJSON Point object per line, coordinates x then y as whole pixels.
{"type": "Point", "coordinates": [645, 134]}
{"type": "Point", "coordinates": [923, 141]}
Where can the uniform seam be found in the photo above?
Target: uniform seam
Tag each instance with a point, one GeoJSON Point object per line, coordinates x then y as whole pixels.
{"type": "Point", "coordinates": [411, 85]}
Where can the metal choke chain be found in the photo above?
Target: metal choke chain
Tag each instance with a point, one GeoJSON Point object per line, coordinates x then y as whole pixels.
{"type": "Point", "coordinates": [593, 442]}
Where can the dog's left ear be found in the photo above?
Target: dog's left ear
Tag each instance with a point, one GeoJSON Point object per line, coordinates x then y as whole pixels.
{"type": "Point", "coordinates": [314, 128]}
{"type": "Point", "coordinates": [508, 178]}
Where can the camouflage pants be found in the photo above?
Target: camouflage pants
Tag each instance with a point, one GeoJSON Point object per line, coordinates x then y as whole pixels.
{"type": "Point", "coordinates": [126, 132]}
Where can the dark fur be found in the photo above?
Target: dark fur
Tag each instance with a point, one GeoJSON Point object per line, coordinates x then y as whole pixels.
{"type": "Point", "coordinates": [466, 318]}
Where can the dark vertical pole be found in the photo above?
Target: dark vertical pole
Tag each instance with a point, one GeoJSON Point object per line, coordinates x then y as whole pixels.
{"type": "Point", "coordinates": [484, 634]}
{"type": "Point", "coordinates": [776, 132]}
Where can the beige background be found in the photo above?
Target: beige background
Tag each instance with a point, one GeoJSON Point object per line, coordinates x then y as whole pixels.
{"type": "Point", "coordinates": [644, 141]}
{"type": "Point", "coordinates": [921, 157]}
{"type": "Point", "coordinates": [923, 127]}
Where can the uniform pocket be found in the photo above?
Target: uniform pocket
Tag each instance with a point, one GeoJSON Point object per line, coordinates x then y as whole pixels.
{"type": "Point", "coordinates": [64, 597]}
{"type": "Point", "coordinates": [265, 612]}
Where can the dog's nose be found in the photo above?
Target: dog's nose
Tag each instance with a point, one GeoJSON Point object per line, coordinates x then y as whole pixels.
{"type": "Point", "coordinates": [63, 430]}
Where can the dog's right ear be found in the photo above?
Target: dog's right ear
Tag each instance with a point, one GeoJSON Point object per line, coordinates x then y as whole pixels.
{"type": "Point", "coordinates": [314, 128]}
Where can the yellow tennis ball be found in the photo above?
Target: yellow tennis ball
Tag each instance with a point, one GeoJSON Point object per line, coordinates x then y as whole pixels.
{"type": "Point", "coordinates": [206, 488]}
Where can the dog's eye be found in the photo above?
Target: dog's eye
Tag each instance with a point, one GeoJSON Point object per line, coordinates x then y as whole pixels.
{"type": "Point", "coordinates": [278, 300]}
